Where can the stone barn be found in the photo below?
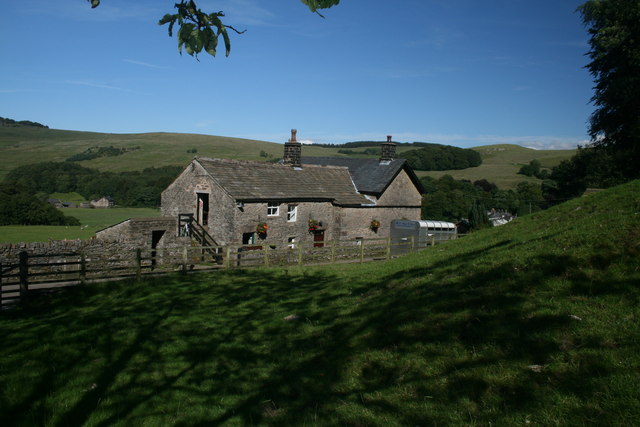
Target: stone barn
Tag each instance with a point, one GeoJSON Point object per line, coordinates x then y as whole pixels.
{"type": "Point", "coordinates": [301, 199]}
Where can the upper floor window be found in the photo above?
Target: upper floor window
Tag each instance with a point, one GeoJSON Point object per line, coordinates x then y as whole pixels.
{"type": "Point", "coordinates": [292, 213]}
{"type": "Point", "coordinates": [273, 209]}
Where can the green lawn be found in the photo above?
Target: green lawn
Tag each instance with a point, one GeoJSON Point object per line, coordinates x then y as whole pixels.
{"type": "Point", "coordinates": [532, 323]}
{"type": "Point", "coordinates": [91, 220]}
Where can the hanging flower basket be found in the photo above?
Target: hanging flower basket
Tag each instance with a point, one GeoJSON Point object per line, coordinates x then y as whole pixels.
{"type": "Point", "coordinates": [261, 229]}
{"type": "Point", "coordinates": [375, 224]}
{"type": "Point", "coordinates": [313, 226]}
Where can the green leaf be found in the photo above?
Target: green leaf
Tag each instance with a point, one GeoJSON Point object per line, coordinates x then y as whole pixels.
{"type": "Point", "coordinates": [167, 18]}
{"type": "Point", "coordinates": [95, 3]}
{"type": "Point", "coordinates": [210, 41]}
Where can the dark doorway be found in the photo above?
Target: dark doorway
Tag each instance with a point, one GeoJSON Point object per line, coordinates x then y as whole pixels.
{"type": "Point", "coordinates": [156, 236]}
{"type": "Point", "coordinates": [202, 213]}
{"type": "Point", "coordinates": [318, 239]}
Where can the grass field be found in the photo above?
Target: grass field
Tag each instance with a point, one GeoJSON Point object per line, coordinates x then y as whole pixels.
{"type": "Point", "coordinates": [532, 323]}
{"type": "Point", "coordinates": [91, 220]}
{"type": "Point", "coordinates": [501, 163]}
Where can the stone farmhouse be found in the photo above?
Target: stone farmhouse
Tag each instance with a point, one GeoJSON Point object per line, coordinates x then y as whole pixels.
{"type": "Point", "coordinates": [299, 200]}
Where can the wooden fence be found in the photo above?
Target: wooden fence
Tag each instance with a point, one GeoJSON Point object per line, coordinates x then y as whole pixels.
{"type": "Point", "coordinates": [31, 272]}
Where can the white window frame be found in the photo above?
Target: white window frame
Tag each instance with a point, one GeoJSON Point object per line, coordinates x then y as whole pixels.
{"type": "Point", "coordinates": [292, 213]}
{"type": "Point", "coordinates": [291, 242]}
{"type": "Point", "coordinates": [273, 209]}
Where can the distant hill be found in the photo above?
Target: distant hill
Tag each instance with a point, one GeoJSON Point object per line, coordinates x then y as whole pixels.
{"type": "Point", "coordinates": [21, 145]}
{"type": "Point", "coordinates": [12, 123]}
{"type": "Point", "coordinates": [501, 163]}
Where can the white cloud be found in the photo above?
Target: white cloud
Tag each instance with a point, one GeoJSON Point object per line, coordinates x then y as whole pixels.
{"type": "Point", "coordinates": [98, 85]}
{"type": "Point", "coordinates": [144, 64]}
{"type": "Point", "coordinates": [239, 12]}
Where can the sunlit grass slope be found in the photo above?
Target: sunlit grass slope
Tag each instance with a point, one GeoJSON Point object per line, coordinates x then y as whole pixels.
{"type": "Point", "coordinates": [501, 163]}
{"type": "Point", "coordinates": [532, 323]}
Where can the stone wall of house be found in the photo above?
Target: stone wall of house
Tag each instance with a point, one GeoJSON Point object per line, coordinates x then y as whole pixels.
{"type": "Point", "coordinates": [281, 230]}
{"type": "Point", "coordinates": [401, 192]}
{"type": "Point", "coordinates": [181, 197]}
{"type": "Point", "coordinates": [356, 222]}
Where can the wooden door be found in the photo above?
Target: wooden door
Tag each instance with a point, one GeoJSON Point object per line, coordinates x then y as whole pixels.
{"type": "Point", "coordinates": [202, 213]}
{"type": "Point", "coordinates": [318, 239]}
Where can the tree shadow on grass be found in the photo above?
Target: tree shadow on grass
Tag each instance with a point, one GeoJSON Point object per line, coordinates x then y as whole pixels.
{"type": "Point", "coordinates": [272, 347]}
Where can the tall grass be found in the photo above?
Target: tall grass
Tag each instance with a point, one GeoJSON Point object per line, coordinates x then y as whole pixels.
{"type": "Point", "coordinates": [532, 323]}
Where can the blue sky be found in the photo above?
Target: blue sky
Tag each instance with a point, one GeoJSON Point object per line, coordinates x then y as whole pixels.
{"type": "Point", "coordinates": [459, 72]}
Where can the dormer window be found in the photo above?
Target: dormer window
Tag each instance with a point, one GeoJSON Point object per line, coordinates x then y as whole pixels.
{"type": "Point", "coordinates": [273, 209]}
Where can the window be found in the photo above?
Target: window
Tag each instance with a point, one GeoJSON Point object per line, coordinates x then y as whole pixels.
{"type": "Point", "coordinates": [248, 238]}
{"type": "Point", "coordinates": [273, 209]}
{"type": "Point", "coordinates": [292, 213]}
{"type": "Point", "coordinates": [291, 242]}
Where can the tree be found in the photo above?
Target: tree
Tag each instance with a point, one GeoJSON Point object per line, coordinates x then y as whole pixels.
{"type": "Point", "coordinates": [478, 215]}
{"type": "Point", "coordinates": [614, 28]}
{"type": "Point", "coordinates": [200, 31]}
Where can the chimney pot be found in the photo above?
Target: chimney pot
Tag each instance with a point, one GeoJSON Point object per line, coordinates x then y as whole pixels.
{"type": "Point", "coordinates": [292, 151]}
{"type": "Point", "coordinates": [388, 151]}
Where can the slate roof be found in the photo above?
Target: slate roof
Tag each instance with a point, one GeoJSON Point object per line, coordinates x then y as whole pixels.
{"type": "Point", "coordinates": [258, 181]}
{"type": "Point", "coordinates": [369, 175]}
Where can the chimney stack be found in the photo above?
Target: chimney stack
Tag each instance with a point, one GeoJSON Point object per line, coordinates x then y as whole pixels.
{"type": "Point", "coordinates": [388, 151]}
{"type": "Point", "coordinates": [292, 151]}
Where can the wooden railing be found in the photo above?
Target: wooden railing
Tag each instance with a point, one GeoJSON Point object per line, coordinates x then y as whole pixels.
{"type": "Point", "coordinates": [29, 272]}
{"type": "Point", "coordinates": [188, 226]}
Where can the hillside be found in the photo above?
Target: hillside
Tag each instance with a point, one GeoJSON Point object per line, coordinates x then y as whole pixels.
{"type": "Point", "coordinates": [531, 323]}
{"type": "Point", "coordinates": [24, 145]}
{"type": "Point", "coordinates": [501, 163]}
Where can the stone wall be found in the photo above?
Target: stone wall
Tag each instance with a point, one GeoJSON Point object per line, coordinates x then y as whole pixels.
{"type": "Point", "coordinates": [139, 232]}
{"type": "Point", "coordinates": [401, 192]}
{"type": "Point", "coordinates": [9, 253]}
{"type": "Point", "coordinates": [280, 229]}
{"type": "Point", "coordinates": [356, 222]}
{"type": "Point", "coordinates": [181, 197]}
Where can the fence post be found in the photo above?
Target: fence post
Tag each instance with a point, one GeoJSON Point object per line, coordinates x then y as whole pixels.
{"type": "Point", "coordinates": [227, 257]}
{"type": "Point", "coordinates": [413, 244]}
{"type": "Point", "coordinates": [388, 254]}
{"type": "Point", "coordinates": [83, 269]}
{"type": "Point", "coordinates": [24, 275]}
{"type": "Point", "coordinates": [185, 257]}
{"type": "Point", "coordinates": [138, 263]}
{"type": "Point", "coordinates": [333, 251]}
{"type": "Point", "coordinates": [433, 241]}
{"type": "Point", "coordinates": [0, 284]}
{"type": "Point", "coordinates": [300, 253]}
{"type": "Point", "coordinates": [361, 251]}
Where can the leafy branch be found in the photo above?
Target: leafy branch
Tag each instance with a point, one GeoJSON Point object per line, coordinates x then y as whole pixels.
{"type": "Point", "coordinates": [200, 31]}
